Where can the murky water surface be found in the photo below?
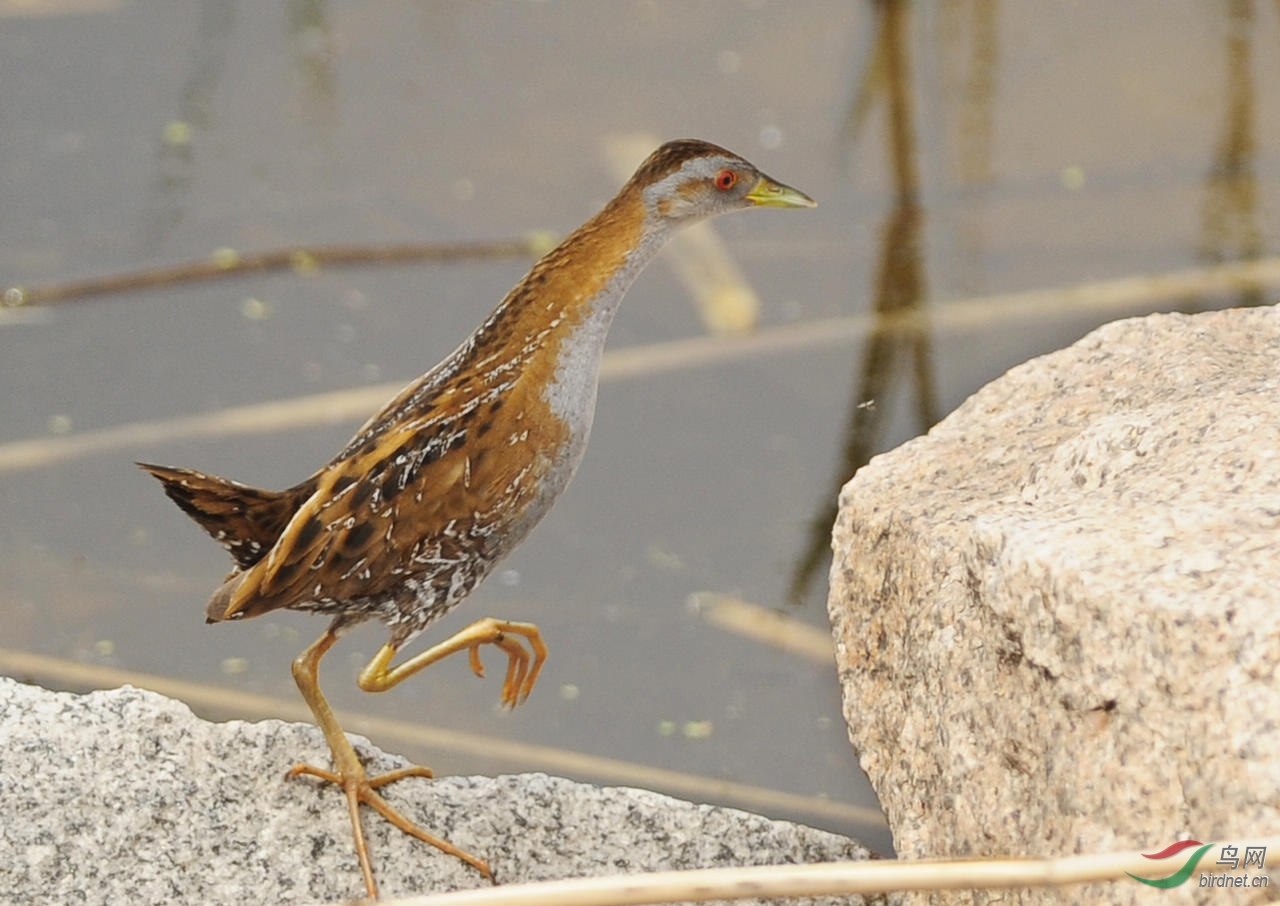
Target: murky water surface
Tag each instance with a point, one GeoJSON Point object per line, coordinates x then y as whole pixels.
{"type": "Point", "coordinates": [959, 150]}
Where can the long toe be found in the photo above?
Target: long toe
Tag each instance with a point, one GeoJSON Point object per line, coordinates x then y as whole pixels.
{"type": "Point", "coordinates": [413, 770]}
{"type": "Point", "coordinates": [386, 810]}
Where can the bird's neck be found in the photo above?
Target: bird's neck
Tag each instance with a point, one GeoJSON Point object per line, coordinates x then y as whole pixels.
{"type": "Point", "coordinates": [548, 333]}
{"type": "Point", "coordinates": [577, 285]}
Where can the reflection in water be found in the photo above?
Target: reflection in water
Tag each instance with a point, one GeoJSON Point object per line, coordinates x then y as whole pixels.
{"type": "Point", "coordinates": [977, 112]}
{"type": "Point", "coordinates": [1229, 211]}
{"type": "Point", "coordinates": [175, 163]}
{"type": "Point", "coordinates": [899, 286]}
{"type": "Point", "coordinates": [973, 126]}
{"type": "Point", "coordinates": [311, 40]}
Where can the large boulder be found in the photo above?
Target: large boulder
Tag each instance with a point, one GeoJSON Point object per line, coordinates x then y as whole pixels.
{"type": "Point", "coordinates": [1057, 615]}
{"type": "Point", "coordinates": [126, 797]}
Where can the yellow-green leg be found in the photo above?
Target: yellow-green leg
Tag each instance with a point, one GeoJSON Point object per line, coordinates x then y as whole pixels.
{"type": "Point", "coordinates": [349, 773]}
{"type": "Point", "coordinates": [379, 676]}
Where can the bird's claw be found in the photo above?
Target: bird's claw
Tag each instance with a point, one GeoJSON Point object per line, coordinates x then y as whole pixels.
{"type": "Point", "coordinates": [522, 666]}
{"type": "Point", "coordinates": [359, 789]}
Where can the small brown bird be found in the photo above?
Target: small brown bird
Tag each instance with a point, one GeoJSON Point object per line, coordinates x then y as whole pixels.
{"type": "Point", "coordinates": [452, 474]}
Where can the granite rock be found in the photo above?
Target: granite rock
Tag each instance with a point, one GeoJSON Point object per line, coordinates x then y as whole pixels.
{"type": "Point", "coordinates": [1056, 614]}
{"type": "Point", "coordinates": [124, 796]}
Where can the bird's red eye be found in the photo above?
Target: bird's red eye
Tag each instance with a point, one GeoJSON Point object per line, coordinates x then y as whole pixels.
{"type": "Point", "coordinates": [726, 180]}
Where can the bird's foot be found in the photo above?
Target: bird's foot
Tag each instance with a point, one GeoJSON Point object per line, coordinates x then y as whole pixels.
{"type": "Point", "coordinates": [360, 788]}
{"type": "Point", "coordinates": [522, 672]}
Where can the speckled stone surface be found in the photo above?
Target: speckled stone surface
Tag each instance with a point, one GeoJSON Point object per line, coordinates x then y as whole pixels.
{"type": "Point", "coordinates": [1058, 614]}
{"type": "Point", "coordinates": [125, 797]}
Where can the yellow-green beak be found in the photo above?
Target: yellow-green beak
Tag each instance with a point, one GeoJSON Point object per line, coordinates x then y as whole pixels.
{"type": "Point", "coordinates": [770, 194]}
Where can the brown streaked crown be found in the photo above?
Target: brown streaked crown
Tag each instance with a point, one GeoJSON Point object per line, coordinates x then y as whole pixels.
{"type": "Point", "coordinates": [671, 156]}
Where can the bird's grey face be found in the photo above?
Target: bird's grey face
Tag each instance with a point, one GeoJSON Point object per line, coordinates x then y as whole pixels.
{"type": "Point", "coordinates": [716, 184]}
{"type": "Point", "coordinates": [703, 187]}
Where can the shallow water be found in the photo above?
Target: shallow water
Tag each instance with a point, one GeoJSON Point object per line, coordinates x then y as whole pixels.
{"type": "Point", "coordinates": [960, 152]}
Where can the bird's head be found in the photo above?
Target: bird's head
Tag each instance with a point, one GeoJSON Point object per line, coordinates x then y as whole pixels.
{"type": "Point", "coordinates": [689, 180]}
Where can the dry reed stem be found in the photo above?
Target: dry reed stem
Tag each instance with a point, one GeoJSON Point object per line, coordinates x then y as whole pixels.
{"type": "Point", "coordinates": [761, 624]}
{"type": "Point", "coordinates": [303, 259]}
{"type": "Point", "coordinates": [825, 879]}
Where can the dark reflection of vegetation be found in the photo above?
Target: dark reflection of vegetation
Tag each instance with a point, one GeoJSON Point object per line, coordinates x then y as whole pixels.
{"type": "Point", "coordinates": [175, 165]}
{"type": "Point", "coordinates": [1229, 212]}
{"type": "Point", "coordinates": [974, 126]}
{"type": "Point", "coordinates": [312, 45]}
{"type": "Point", "coordinates": [308, 24]}
{"type": "Point", "coordinates": [900, 287]}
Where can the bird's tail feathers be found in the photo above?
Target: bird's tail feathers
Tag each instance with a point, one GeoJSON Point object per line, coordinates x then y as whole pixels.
{"type": "Point", "coordinates": [245, 520]}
